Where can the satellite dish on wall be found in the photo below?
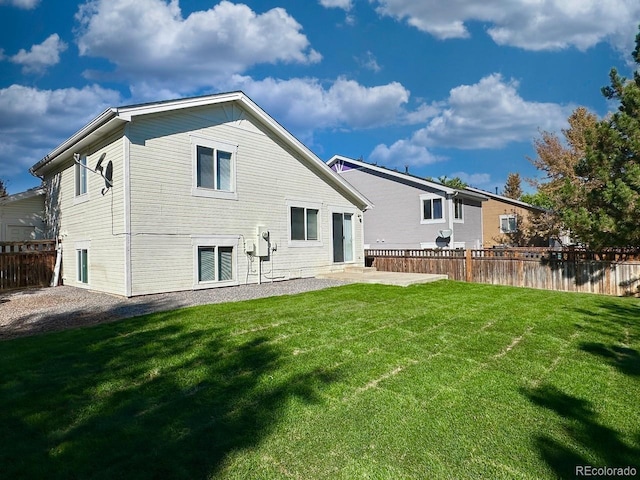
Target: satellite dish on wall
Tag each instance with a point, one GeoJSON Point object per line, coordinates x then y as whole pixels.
{"type": "Point", "coordinates": [108, 177]}
{"type": "Point", "coordinates": [445, 233]}
{"type": "Point", "coordinates": [99, 164]}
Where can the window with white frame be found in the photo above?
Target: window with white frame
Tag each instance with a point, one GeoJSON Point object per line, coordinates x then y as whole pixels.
{"type": "Point", "coordinates": [215, 264]}
{"type": "Point", "coordinates": [214, 168]}
{"type": "Point", "coordinates": [508, 223]}
{"type": "Point", "coordinates": [458, 209]}
{"type": "Point", "coordinates": [215, 260]}
{"type": "Point", "coordinates": [432, 208]}
{"type": "Point", "coordinates": [304, 224]}
{"type": "Point", "coordinates": [82, 263]}
{"type": "Point", "coordinates": [81, 176]}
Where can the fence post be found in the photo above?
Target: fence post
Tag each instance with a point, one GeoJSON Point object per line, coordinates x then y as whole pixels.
{"type": "Point", "coordinates": [468, 267]}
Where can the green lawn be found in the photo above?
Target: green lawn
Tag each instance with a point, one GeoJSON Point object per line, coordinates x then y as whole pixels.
{"type": "Point", "coordinates": [444, 380]}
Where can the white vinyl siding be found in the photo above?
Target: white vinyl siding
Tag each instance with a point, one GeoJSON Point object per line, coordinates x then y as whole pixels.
{"type": "Point", "coordinates": [101, 219]}
{"type": "Point", "coordinates": [269, 180]}
{"type": "Point", "coordinates": [22, 219]}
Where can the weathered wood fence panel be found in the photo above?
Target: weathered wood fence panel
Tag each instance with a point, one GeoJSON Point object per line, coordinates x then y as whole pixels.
{"type": "Point", "coordinates": [610, 272]}
{"type": "Point", "coordinates": [26, 264]}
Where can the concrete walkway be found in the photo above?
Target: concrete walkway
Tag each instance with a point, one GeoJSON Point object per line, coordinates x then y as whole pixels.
{"type": "Point", "coordinates": [371, 275]}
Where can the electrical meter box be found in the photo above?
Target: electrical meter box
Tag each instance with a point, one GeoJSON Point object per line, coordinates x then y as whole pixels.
{"type": "Point", "coordinates": [262, 242]}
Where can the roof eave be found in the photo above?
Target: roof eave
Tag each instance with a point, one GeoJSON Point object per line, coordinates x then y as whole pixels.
{"type": "Point", "coordinates": [111, 117]}
{"type": "Point", "coordinates": [375, 168]}
{"type": "Point", "coordinates": [97, 127]}
{"type": "Point", "coordinates": [22, 195]}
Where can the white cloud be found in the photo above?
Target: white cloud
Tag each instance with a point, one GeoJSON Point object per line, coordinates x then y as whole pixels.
{"type": "Point", "coordinates": [305, 104]}
{"type": "Point", "coordinates": [531, 25]}
{"type": "Point", "coordinates": [368, 61]}
{"type": "Point", "coordinates": [472, 179]}
{"type": "Point", "coordinates": [25, 4]}
{"type": "Point", "coordinates": [489, 114]}
{"type": "Point", "coordinates": [33, 122]}
{"type": "Point", "coordinates": [343, 4]}
{"type": "Point", "coordinates": [402, 153]}
{"type": "Point", "coordinates": [40, 56]}
{"type": "Point", "coordinates": [150, 40]}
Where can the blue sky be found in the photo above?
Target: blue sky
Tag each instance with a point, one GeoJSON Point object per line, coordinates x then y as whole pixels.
{"type": "Point", "coordinates": [456, 88]}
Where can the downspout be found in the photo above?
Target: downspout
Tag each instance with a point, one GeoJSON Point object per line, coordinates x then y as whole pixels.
{"type": "Point", "coordinates": [451, 213]}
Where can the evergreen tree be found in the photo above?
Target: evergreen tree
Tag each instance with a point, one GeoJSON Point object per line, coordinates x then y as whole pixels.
{"type": "Point", "coordinates": [513, 187]}
{"type": "Point", "coordinates": [609, 171]}
{"type": "Point", "coordinates": [3, 188]}
{"type": "Point", "coordinates": [455, 182]}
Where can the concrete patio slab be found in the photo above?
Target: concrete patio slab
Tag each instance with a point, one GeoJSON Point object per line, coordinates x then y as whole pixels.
{"type": "Point", "coordinates": [385, 278]}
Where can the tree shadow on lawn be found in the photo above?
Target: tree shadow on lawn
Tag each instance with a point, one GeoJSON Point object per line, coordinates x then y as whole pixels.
{"type": "Point", "coordinates": [581, 432]}
{"type": "Point", "coordinates": [141, 399]}
{"type": "Point", "coordinates": [620, 324]}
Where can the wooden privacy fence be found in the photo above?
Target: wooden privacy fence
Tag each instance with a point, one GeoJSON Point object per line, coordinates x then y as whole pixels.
{"type": "Point", "coordinates": [610, 272]}
{"type": "Point", "coordinates": [27, 264]}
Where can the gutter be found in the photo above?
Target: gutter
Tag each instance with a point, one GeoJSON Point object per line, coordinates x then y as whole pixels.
{"type": "Point", "coordinates": [98, 123]}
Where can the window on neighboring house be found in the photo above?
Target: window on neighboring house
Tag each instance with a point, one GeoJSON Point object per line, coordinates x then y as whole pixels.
{"type": "Point", "coordinates": [215, 264]}
{"type": "Point", "coordinates": [432, 208]}
{"type": "Point", "coordinates": [81, 177]}
{"type": "Point", "coordinates": [457, 209]}
{"type": "Point", "coordinates": [508, 223]}
{"type": "Point", "coordinates": [304, 223]}
{"type": "Point", "coordinates": [82, 261]}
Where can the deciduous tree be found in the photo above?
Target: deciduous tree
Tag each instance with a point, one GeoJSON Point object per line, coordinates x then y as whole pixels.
{"type": "Point", "coordinates": [558, 192]}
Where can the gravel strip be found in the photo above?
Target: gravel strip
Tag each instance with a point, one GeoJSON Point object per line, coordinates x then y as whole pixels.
{"type": "Point", "coordinates": [31, 311]}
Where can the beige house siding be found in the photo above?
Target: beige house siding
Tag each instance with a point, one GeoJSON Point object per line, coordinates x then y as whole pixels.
{"type": "Point", "coordinates": [166, 217]}
{"type": "Point", "coordinates": [491, 211]}
{"type": "Point", "coordinates": [22, 219]}
{"type": "Point", "coordinates": [97, 222]}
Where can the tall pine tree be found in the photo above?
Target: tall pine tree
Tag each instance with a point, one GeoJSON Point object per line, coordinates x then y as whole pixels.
{"type": "Point", "coordinates": [513, 187]}
{"type": "Point", "coordinates": [609, 171]}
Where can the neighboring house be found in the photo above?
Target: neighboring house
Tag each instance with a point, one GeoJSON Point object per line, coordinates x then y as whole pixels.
{"type": "Point", "coordinates": [505, 220]}
{"type": "Point", "coordinates": [411, 212]}
{"type": "Point", "coordinates": [205, 192]}
{"type": "Point", "coordinates": [22, 216]}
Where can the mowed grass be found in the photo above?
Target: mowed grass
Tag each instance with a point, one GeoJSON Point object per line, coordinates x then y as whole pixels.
{"type": "Point", "coordinates": [444, 380]}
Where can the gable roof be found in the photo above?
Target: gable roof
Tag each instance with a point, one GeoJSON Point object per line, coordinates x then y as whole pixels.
{"type": "Point", "coordinates": [16, 197]}
{"type": "Point", "coordinates": [407, 176]}
{"type": "Point", "coordinates": [502, 198]}
{"type": "Point", "coordinates": [113, 118]}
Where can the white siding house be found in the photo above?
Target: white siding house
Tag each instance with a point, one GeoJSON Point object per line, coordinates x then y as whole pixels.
{"type": "Point", "coordinates": [205, 192]}
{"type": "Point", "coordinates": [22, 216]}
